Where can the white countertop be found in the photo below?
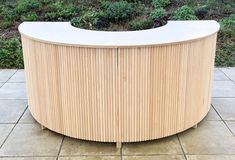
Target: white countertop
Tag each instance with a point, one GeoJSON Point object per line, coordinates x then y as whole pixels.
{"type": "Point", "coordinates": [64, 33]}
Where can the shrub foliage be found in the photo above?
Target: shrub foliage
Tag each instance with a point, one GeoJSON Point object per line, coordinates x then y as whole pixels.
{"type": "Point", "coordinates": [158, 14]}
{"type": "Point", "coordinates": [160, 3]}
{"type": "Point", "coordinates": [11, 54]}
{"type": "Point", "coordinates": [119, 11]}
{"type": "Point", "coordinates": [184, 13]}
{"type": "Point", "coordinates": [114, 15]}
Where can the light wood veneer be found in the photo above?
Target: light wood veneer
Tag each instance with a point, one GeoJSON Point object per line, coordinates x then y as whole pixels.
{"type": "Point", "coordinates": [119, 94]}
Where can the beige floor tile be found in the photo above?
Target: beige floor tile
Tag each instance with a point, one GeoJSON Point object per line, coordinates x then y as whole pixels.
{"type": "Point", "coordinates": [211, 137]}
{"type": "Point", "coordinates": [219, 75]}
{"type": "Point", "coordinates": [168, 145]}
{"type": "Point", "coordinates": [27, 117]}
{"type": "Point", "coordinates": [230, 72]}
{"type": "Point", "coordinates": [28, 158]}
{"type": "Point", "coordinates": [73, 146]}
{"type": "Point", "coordinates": [231, 125]}
{"type": "Point", "coordinates": [210, 157]}
{"type": "Point", "coordinates": [13, 91]}
{"type": "Point", "coordinates": [225, 107]}
{"type": "Point", "coordinates": [11, 110]}
{"type": "Point", "coordinates": [91, 158]}
{"type": "Point", "coordinates": [5, 74]}
{"type": "Point", "coordinates": [212, 115]}
{"type": "Point", "coordinates": [19, 76]}
{"type": "Point", "coordinates": [30, 140]}
{"type": "Point", "coordinates": [159, 157]}
{"type": "Point", "coordinates": [4, 131]}
{"type": "Point", "coordinates": [223, 89]}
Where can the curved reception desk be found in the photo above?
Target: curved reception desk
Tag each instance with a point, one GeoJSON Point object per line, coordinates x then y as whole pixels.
{"type": "Point", "coordinates": [119, 86]}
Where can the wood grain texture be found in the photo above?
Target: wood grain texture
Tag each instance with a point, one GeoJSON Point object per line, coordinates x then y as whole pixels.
{"type": "Point", "coordinates": [119, 94]}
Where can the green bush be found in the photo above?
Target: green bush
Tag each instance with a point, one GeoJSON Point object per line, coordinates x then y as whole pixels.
{"type": "Point", "coordinates": [59, 11]}
{"type": "Point", "coordinates": [114, 15]}
{"type": "Point", "coordinates": [11, 53]}
{"type": "Point", "coordinates": [24, 6]}
{"type": "Point", "coordinates": [118, 11]}
{"type": "Point", "coordinates": [46, 2]}
{"type": "Point", "coordinates": [140, 9]}
{"type": "Point", "coordinates": [228, 27]}
{"type": "Point", "coordinates": [90, 20]}
{"type": "Point", "coordinates": [201, 11]}
{"type": "Point", "coordinates": [86, 21]}
{"type": "Point", "coordinates": [76, 22]}
{"type": "Point", "coordinates": [219, 7]}
{"type": "Point", "coordinates": [137, 1]}
{"type": "Point", "coordinates": [7, 13]}
{"type": "Point", "coordinates": [160, 3]}
{"type": "Point", "coordinates": [158, 14]}
{"type": "Point", "coordinates": [141, 24]}
{"type": "Point", "coordinates": [225, 55]}
{"type": "Point", "coordinates": [6, 24]}
{"type": "Point", "coordinates": [184, 13]}
{"type": "Point", "coordinates": [31, 16]}
{"type": "Point", "coordinates": [7, 16]}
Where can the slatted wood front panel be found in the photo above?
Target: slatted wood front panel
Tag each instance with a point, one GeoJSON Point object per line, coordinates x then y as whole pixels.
{"type": "Point", "coordinates": [119, 94]}
{"type": "Point", "coordinates": [164, 90]}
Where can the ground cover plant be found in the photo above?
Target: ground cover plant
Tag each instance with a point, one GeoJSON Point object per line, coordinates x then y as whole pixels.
{"type": "Point", "coordinates": [114, 15]}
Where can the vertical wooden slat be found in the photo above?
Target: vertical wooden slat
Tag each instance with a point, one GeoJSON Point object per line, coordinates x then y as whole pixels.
{"type": "Point", "coordinates": [119, 94]}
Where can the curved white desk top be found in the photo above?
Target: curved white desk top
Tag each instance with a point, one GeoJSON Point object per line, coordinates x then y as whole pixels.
{"type": "Point", "coordinates": [64, 33]}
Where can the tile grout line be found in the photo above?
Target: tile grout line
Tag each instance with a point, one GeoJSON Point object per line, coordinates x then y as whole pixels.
{"type": "Point", "coordinates": [214, 120]}
{"type": "Point", "coordinates": [60, 148]}
{"type": "Point", "coordinates": [15, 82]}
{"type": "Point", "coordinates": [155, 154]}
{"type": "Point", "coordinates": [7, 136]}
{"type": "Point", "coordinates": [22, 123]}
{"type": "Point", "coordinates": [181, 147]}
{"type": "Point", "coordinates": [222, 97]}
{"type": "Point", "coordinates": [22, 114]}
{"type": "Point", "coordinates": [9, 78]}
{"type": "Point", "coordinates": [111, 155]}
{"type": "Point", "coordinates": [226, 75]}
{"type": "Point", "coordinates": [223, 120]}
{"type": "Point", "coordinates": [129, 155]}
{"type": "Point", "coordinates": [121, 152]}
{"type": "Point", "coordinates": [122, 146]}
{"type": "Point", "coordinates": [213, 80]}
{"type": "Point", "coordinates": [7, 123]}
{"type": "Point", "coordinates": [13, 128]}
{"type": "Point", "coordinates": [38, 156]}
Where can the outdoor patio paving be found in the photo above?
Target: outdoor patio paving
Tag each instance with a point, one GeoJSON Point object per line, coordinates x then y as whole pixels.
{"type": "Point", "coordinates": [21, 138]}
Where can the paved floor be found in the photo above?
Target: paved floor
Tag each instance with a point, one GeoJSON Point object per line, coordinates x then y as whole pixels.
{"type": "Point", "coordinates": [22, 139]}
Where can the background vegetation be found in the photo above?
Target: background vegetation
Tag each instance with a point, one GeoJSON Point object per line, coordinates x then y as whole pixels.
{"type": "Point", "coordinates": [114, 15]}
